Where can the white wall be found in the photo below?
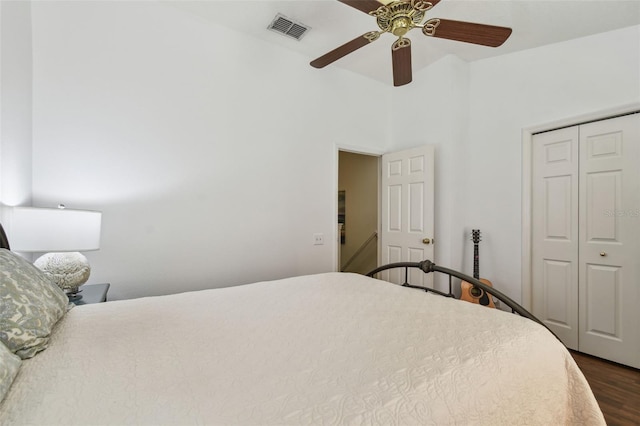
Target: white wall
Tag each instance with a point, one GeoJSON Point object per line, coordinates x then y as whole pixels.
{"type": "Point", "coordinates": [210, 153]}
{"type": "Point", "coordinates": [198, 179]}
{"type": "Point", "coordinates": [15, 104]}
{"type": "Point", "coordinates": [512, 92]}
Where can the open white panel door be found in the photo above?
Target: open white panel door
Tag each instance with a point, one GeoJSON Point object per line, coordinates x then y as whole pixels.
{"type": "Point", "coordinates": [407, 212]}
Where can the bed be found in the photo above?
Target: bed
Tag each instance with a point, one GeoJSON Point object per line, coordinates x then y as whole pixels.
{"type": "Point", "coordinates": [332, 348]}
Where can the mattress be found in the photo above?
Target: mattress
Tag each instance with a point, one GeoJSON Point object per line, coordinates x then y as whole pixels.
{"type": "Point", "coordinates": [330, 348]}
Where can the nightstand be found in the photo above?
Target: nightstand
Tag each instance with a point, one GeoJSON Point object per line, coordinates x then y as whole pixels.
{"type": "Point", "coordinates": [92, 293]}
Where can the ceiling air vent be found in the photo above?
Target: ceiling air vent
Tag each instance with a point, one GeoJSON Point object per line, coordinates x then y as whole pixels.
{"type": "Point", "coordinates": [288, 27]}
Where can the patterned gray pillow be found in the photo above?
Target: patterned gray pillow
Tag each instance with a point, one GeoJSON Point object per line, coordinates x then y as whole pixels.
{"type": "Point", "coordinates": [9, 365]}
{"type": "Point", "coordinates": [30, 305]}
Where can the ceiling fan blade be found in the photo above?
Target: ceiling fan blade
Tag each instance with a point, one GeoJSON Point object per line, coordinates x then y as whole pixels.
{"type": "Point", "coordinates": [345, 49]}
{"type": "Point", "coordinates": [401, 58]}
{"type": "Point", "coordinates": [365, 6]}
{"type": "Point", "coordinates": [469, 32]}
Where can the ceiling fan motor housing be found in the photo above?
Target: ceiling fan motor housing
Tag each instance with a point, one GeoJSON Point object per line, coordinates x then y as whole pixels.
{"type": "Point", "coordinates": [400, 17]}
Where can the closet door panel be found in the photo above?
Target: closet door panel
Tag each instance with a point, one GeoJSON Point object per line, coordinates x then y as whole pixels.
{"type": "Point", "coordinates": [555, 232]}
{"type": "Point", "coordinates": [602, 293]}
{"type": "Point", "coordinates": [558, 298]}
{"type": "Point", "coordinates": [609, 224]}
{"type": "Point", "coordinates": [603, 194]}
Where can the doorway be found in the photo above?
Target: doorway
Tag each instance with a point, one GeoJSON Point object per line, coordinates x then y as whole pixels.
{"type": "Point", "coordinates": [385, 211]}
{"type": "Point", "coordinates": [358, 201]}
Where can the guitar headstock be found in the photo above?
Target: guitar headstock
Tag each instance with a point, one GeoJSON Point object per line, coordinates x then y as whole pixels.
{"type": "Point", "coordinates": [475, 236]}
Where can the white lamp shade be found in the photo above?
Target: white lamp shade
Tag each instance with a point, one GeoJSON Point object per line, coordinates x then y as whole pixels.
{"type": "Point", "coordinates": [34, 229]}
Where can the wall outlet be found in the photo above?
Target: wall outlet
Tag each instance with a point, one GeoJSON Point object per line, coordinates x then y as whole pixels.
{"type": "Point", "coordinates": [318, 239]}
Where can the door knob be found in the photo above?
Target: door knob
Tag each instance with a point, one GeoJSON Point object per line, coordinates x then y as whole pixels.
{"type": "Point", "coordinates": [426, 241]}
{"type": "Point", "coordinates": [603, 254]}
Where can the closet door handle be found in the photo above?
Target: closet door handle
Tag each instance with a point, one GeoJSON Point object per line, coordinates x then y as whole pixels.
{"type": "Point", "coordinates": [603, 254]}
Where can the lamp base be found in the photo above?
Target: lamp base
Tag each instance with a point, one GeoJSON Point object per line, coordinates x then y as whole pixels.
{"type": "Point", "coordinates": [68, 270]}
{"type": "Point", "coordinates": [74, 295]}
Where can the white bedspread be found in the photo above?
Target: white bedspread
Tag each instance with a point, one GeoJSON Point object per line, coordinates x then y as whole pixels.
{"type": "Point", "coordinates": [325, 349]}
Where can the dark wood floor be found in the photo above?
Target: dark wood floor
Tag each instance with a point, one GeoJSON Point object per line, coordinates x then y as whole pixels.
{"type": "Point", "coordinates": [616, 387]}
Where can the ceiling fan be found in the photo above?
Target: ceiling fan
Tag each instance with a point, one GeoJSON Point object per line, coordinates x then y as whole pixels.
{"type": "Point", "coordinates": [401, 16]}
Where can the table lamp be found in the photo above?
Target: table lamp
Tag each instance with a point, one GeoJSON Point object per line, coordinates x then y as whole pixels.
{"type": "Point", "coordinates": [62, 233]}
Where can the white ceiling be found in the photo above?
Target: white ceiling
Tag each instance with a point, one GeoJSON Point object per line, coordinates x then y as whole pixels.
{"type": "Point", "coordinates": [534, 23]}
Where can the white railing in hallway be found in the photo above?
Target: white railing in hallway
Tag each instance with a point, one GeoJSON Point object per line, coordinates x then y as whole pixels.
{"type": "Point", "coordinates": [364, 245]}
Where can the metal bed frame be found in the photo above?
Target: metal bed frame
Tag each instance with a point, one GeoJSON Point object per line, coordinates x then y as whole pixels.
{"type": "Point", "coordinates": [427, 266]}
{"type": "Point", "coordinates": [4, 242]}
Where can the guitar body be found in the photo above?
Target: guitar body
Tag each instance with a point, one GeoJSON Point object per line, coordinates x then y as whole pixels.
{"type": "Point", "coordinates": [469, 292]}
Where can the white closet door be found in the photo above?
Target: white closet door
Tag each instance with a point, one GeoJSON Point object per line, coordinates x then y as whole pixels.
{"type": "Point", "coordinates": [609, 297]}
{"type": "Point", "coordinates": [555, 232]}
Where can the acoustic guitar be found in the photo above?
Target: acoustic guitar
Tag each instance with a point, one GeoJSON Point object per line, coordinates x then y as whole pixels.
{"type": "Point", "coordinates": [471, 293]}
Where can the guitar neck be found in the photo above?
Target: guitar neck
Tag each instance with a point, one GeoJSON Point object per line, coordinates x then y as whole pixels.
{"type": "Point", "coordinates": [476, 261]}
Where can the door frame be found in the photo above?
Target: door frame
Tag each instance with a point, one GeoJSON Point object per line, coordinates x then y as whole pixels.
{"type": "Point", "coordinates": [527, 169]}
{"type": "Point", "coordinates": [356, 150]}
